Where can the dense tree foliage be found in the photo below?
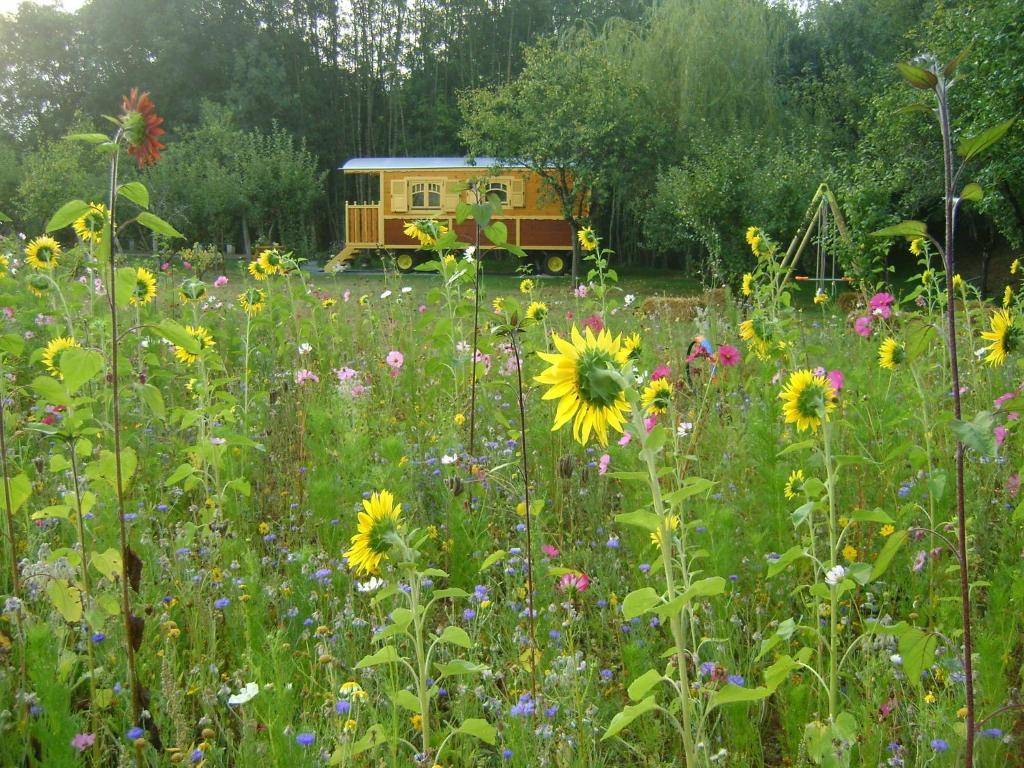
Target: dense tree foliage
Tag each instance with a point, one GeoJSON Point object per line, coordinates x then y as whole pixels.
{"type": "Point", "coordinates": [687, 120]}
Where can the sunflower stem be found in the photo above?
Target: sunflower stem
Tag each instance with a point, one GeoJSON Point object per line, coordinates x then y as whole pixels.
{"type": "Point", "coordinates": [676, 620]}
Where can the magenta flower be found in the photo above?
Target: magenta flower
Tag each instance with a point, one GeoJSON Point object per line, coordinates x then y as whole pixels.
{"type": "Point", "coordinates": [626, 437]}
{"type": "Point", "coordinates": [650, 422]}
{"type": "Point", "coordinates": [661, 372]}
{"type": "Point", "coordinates": [550, 551]}
{"type": "Point", "coordinates": [862, 325]}
{"type": "Point", "coordinates": [581, 291]}
{"type": "Point", "coordinates": [836, 379]}
{"type": "Point", "coordinates": [602, 464]}
{"type": "Point", "coordinates": [728, 355]}
{"type": "Point", "coordinates": [881, 304]}
{"type": "Point", "coordinates": [220, 282]}
{"type": "Point", "coordinates": [302, 375]}
{"type": "Point", "coordinates": [1000, 432]}
{"type": "Point", "coordinates": [574, 582]}
{"type": "Point", "coordinates": [594, 323]}
{"type": "Point", "coordinates": [82, 741]}
{"type": "Point", "coordinates": [395, 359]}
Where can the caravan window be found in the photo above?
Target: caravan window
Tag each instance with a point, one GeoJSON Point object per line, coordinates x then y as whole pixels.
{"type": "Point", "coordinates": [499, 189]}
{"type": "Point", "coordinates": [425, 195]}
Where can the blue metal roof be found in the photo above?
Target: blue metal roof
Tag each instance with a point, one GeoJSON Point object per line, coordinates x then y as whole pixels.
{"type": "Point", "coordinates": [422, 163]}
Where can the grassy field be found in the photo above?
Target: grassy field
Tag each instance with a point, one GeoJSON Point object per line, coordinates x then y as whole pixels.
{"type": "Point", "coordinates": [340, 551]}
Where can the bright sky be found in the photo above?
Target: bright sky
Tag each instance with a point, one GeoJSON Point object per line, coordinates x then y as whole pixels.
{"type": "Point", "coordinates": [10, 6]}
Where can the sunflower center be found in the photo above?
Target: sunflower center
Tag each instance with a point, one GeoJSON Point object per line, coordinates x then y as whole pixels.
{"type": "Point", "coordinates": [596, 382]}
{"type": "Point", "coordinates": [1012, 338]}
{"type": "Point", "coordinates": [379, 537]}
{"type": "Point", "coordinates": [810, 402]}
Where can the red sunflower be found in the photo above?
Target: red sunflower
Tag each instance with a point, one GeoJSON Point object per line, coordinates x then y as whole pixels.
{"type": "Point", "coordinates": [142, 127]}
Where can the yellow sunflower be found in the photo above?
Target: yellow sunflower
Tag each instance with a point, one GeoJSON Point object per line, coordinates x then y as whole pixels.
{"type": "Point", "coordinates": [1004, 335]}
{"type": "Point", "coordinates": [917, 246]}
{"type": "Point", "coordinates": [1015, 266]}
{"type": "Point", "coordinates": [89, 226]}
{"type": "Point", "coordinates": [807, 400]}
{"type": "Point", "coordinates": [526, 286]}
{"type": "Point", "coordinates": [583, 379]}
{"type": "Point", "coordinates": [537, 311]}
{"type": "Point", "coordinates": [657, 396]}
{"type": "Point", "coordinates": [271, 262]}
{"type": "Point", "coordinates": [145, 287]}
{"type": "Point", "coordinates": [1007, 297]}
{"type": "Point", "coordinates": [752, 236]}
{"type": "Point", "coordinates": [378, 521]}
{"type": "Point", "coordinates": [757, 332]}
{"type": "Point", "coordinates": [891, 354]}
{"type": "Point", "coordinates": [673, 525]}
{"type": "Point", "coordinates": [200, 334]}
{"type": "Point", "coordinates": [39, 285]}
{"type": "Point", "coordinates": [748, 284]}
{"type": "Point", "coordinates": [252, 301]}
{"type": "Point", "coordinates": [52, 353]}
{"type": "Point", "coordinates": [633, 345]}
{"type": "Point", "coordinates": [498, 305]}
{"type": "Point", "coordinates": [5, 264]}
{"type": "Point", "coordinates": [587, 238]}
{"type": "Point", "coordinates": [427, 231]}
{"type": "Point", "coordinates": [820, 297]}
{"type": "Point", "coordinates": [42, 253]}
{"type": "Point", "coordinates": [256, 270]}
{"type": "Point", "coordinates": [192, 289]}
{"type": "Point", "coordinates": [794, 484]}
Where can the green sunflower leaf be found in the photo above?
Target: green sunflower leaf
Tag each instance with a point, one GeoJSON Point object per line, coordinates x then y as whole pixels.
{"type": "Point", "coordinates": [67, 215]}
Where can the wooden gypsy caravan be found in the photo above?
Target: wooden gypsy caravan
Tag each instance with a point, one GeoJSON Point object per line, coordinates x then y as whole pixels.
{"type": "Point", "coordinates": [421, 187]}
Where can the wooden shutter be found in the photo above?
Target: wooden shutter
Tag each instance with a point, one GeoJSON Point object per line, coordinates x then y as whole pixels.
{"type": "Point", "coordinates": [399, 200]}
{"type": "Point", "coordinates": [449, 199]}
{"type": "Point", "coordinates": [517, 193]}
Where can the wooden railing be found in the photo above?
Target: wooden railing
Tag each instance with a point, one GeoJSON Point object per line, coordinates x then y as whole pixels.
{"type": "Point", "coordinates": [362, 223]}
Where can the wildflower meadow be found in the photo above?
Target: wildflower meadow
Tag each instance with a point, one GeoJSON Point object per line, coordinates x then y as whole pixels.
{"type": "Point", "coordinates": [259, 514]}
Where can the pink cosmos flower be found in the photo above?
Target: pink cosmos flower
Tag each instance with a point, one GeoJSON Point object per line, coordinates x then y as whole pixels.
{"type": "Point", "coordinates": [82, 741]}
{"type": "Point", "coordinates": [594, 323]}
{"type": "Point", "coordinates": [862, 325]}
{"type": "Point", "coordinates": [395, 359]}
{"type": "Point", "coordinates": [819, 371]}
{"type": "Point", "coordinates": [836, 379]}
{"type": "Point", "coordinates": [422, 308]}
{"type": "Point", "coordinates": [574, 582]}
{"type": "Point", "coordinates": [881, 304]}
{"type": "Point", "coordinates": [346, 295]}
{"type": "Point", "coordinates": [581, 291]}
{"type": "Point", "coordinates": [626, 437]}
{"type": "Point", "coordinates": [661, 372]}
{"type": "Point", "coordinates": [8, 313]}
{"type": "Point", "coordinates": [344, 373]}
{"type": "Point", "coordinates": [998, 402]}
{"type": "Point", "coordinates": [187, 264]}
{"type": "Point", "coordinates": [728, 355]}
{"type": "Point", "coordinates": [602, 464]}
{"type": "Point", "coordinates": [550, 551]}
{"type": "Point", "coordinates": [220, 282]}
{"type": "Point", "coordinates": [650, 422]}
{"type": "Point", "coordinates": [1000, 432]}
{"type": "Point", "coordinates": [165, 266]}
{"type": "Point", "coordinates": [302, 375]}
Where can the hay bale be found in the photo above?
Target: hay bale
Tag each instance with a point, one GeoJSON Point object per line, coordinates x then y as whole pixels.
{"type": "Point", "coordinates": [848, 301]}
{"type": "Point", "coordinates": [675, 308]}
